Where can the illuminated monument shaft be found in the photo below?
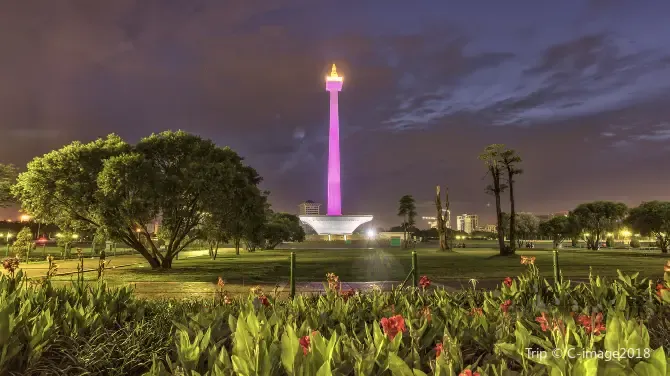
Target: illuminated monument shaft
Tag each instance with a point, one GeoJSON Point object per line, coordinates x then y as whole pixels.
{"type": "Point", "coordinates": [334, 86]}
{"type": "Point", "coordinates": [334, 223]}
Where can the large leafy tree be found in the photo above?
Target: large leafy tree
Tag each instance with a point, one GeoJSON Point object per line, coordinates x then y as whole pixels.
{"type": "Point", "coordinates": [510, 161]}
{"type": "Point", "coordinates": [597, 218]}
{"type": "Point", "coordinates": [491, 157]}
{"type": "Point", "coordinates": [119, 188]}
{"type": "Point", "coordinates": [407, 210]}
{"type": "Point", "coordinates": [527, 227]}
{"type": "Point", "coordinates": [61, 187]}
{"type": "Point", "coordinates": [652, 218]}
{"type": "Point", "coordinates": [558, 229]}
{"type": "Point", "coordinates": [7, 179]}
{"type": "Point", "coordinates": [282, 227]}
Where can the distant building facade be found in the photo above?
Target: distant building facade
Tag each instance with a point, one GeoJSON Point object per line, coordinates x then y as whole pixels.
{"type": "Point", "coordinates": [432, 221]}
{"type": "Point", "coordinates": [490, 228]}
{"type": "Point", "coordinates": [467, 223]}
{"type": "Point", "coordinates": [309, 207]}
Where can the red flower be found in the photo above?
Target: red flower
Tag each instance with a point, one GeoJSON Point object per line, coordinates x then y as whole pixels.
{"type": "Point", "coordinates": [424, 282]}
{"type": "Point", "coordinates": [347, 294]}
{"type": "Point", "coordinates": [467, 372]}
{"type": "Point", "coordinates": [592, 324]}
{"type": "Point", "coordinates": [477, 312]}
{"type": "Point", "coordinates": [264, 300]}
{"type": "Point", "coordinates": [544, 324]}
{"type": "Point", "coordinates": [393, 325]}
{"type": "Point", "coordinates": [305, 344]}
{"type": "Point", "coordinates": [659, 289]}
{"type": "Point", "coordinates": [425, 312]}
{"type": "Point", "coordinates": [438, 350]}
{"type": "Point", "coordinates": [527, 260]}
{"type": "Point", "coordinates": [505, 305]}
{"type": "Point", "coordinates": [508, 282]}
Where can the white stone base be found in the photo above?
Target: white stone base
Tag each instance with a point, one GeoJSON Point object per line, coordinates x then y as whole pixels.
{"type": "Point", "coordinates": [335, 224]}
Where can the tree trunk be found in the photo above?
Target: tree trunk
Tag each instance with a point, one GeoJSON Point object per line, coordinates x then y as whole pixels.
{"type": "Point", "coordinates": [496, 193]}
{"type": "Point", "coordinates": [404, 225]}
{"type": "Point", "coordinates": [237, 246]}
{"type": "Point", "coordinates": [167, 263]}
{"type": "Point", "coordinates": [441, 223]}
{"type": "Point", "coordinates": [512, 219]}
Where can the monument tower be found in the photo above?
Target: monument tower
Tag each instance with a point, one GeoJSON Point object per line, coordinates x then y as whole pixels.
{"type": "Point", "coordinates": [334, 86]}
{"type": "Point", "coordinates": [334, 223]}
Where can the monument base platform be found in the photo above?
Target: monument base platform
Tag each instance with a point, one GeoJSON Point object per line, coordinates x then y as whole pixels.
{"type": "Point", "coordinates": [335, 224]}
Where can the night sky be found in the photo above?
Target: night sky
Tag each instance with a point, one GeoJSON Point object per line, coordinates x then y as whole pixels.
{"type": "Point", "coordinates": [580, 89]}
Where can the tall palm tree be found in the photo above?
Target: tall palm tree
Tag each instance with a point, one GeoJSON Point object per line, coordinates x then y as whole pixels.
{"type": "Point", "coordinates": [407, 210]}
{"type": "Point", "coordinates": [510, 160]}
{"type": "Point", "coordinates": [491, 158]}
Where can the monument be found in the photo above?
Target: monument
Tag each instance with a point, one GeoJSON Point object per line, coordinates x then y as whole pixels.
{"type": "Point", "coordinates": [334, 223]}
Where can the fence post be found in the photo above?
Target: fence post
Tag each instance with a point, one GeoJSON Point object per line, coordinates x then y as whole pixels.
{"type": "Point", "coordinates": [415, 269]}
{"type": "Point", "coordinates": [557, 270]}
{"type": "Point", "coordinates": [292, 275]}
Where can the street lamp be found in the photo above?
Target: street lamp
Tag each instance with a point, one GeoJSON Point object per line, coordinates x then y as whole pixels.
{"type": "Point", "coordinates": [8, 236]}
{"type": "Point", "coordinates": [371, 234]}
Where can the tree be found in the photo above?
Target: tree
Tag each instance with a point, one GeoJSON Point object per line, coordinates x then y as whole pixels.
{"type": "Point", "coordinates": [557, 229]}
{"type": "Point", "coordinates": [598, 217]}
{"type": "Point", "coordinates": [527, 227]}
{"type": "Point", "coordinates": [247, 217]}
{"type": "Point", "coordinates": [99, 241]}
{"type": "Point", "coordinates": [443, 235]}
{"type": "Point", "coordinates": [407, 210]}
{"type": "Point", "coordinates": [7, 179]}
{"type": "Point", "coordinates": [65, 240]}
{"type": "Point", "coordinates": [510, 160]}
{"type": "Point", "coordinates": [120, 188]}
{"type": "Point", "coordinates": [282, 227]}
{"type": "Point", "coordinates": [491, 158]}
{"type": "Point", "coordinates": [213, 234]}
{"type": "Point", "coordinates": [652, 218]}
{"type": "Point", "coordinates": [24, 243]}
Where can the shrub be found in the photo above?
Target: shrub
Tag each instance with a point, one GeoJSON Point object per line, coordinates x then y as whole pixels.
{"type": "Point", "coordinates": [635, 243]}
{"type": "Point", "coordinates": [24, 242]}
{"type": "Point", "coordinates": [104, 331]}
{"type": "Point", "coordinates": [609, 243]}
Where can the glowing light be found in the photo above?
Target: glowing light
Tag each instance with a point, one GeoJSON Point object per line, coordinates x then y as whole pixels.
{"type": "Point", "coordinates": [59, 235]}
{"type": "Point", "coordinates": [138, 230]}
{"type": "Point", "coordinates": [334, 76]}
{"type": "Point", "coordinates": [75, 236]}
{"type": "Point", "coordinates": [625, 233]}
{"type": "Point", "coordinates": [610, 234]}
{"type": "Point", "coordinates": [25, 218]}
{"type": "Point", "coordinates": [371, 233]}
{"type": "Point", "coordinates": [334, 85]}
{"type": "Point", "coordinates": [586, 234]}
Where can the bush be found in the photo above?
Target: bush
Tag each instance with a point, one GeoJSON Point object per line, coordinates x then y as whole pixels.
{"type": "Point", "coordinates": [609, 243]}
{"type": "Point", "coordinates": [104, 331]}
{"type": "Point", "coordinates": [634, 243]}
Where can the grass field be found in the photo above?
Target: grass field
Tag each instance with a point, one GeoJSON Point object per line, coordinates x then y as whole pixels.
{"type": "Point", "coordinates": [271, 268]}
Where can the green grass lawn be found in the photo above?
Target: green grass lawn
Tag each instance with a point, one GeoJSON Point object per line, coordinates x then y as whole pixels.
{"type": "Point", "coordinates": [391, 264]}
{"type": "Point", "coordinates": [270, 268]}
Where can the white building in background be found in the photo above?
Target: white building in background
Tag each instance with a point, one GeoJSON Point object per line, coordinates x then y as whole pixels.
{"type": "Point", "coordinates": [309, 207]}
{"type": "Point", "coordinates": [467, 223]}
{"type": "Point", "coordinates": [432, 221]}
{"type": "Point", "coordinates": [490, 228]}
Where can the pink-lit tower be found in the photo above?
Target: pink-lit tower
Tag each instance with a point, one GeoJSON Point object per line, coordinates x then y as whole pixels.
{"type": "Point", "coordinates": [334, 86]}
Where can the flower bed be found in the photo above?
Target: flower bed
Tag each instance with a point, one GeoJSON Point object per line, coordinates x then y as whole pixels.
{"type": "Point", "coordinates": [528, 326]}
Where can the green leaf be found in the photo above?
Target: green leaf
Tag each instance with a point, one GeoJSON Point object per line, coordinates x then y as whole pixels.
{"type": "Point", "coordinates": [290, 346]}
{"type": "Point", "coordinates": [398, 367]}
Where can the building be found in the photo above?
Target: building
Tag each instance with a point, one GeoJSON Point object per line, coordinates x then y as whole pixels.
{"type": "Point", "coordinates": [490, 228]}
{"type": "Point", "coordinates": [432, 221]}
{"type": "Point", "coordinates": [309, 207]}
{"type": "Point", "coordinates": [467, 223]}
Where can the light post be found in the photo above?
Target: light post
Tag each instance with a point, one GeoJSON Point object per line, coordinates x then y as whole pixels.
{"type": "Point", "coordinates": [625, 233]}
{"type": "Point", "coordinates": [8, 236]}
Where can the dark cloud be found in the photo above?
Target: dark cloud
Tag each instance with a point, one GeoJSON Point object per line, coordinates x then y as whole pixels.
{"type": "Point", "coordinates": [579, 88]}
